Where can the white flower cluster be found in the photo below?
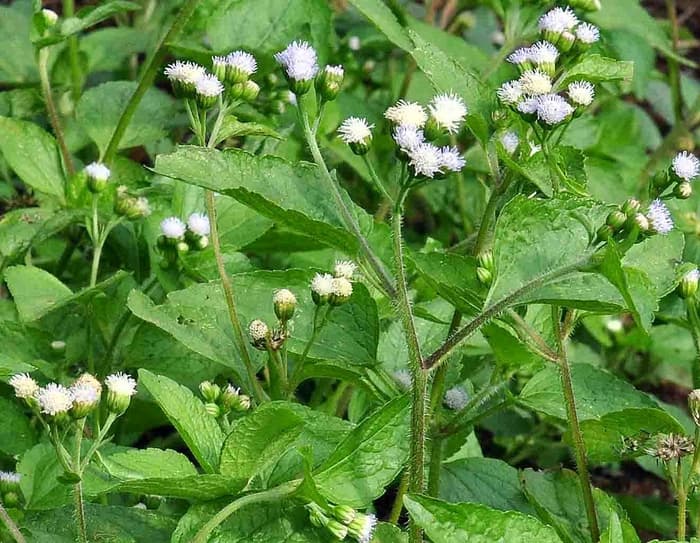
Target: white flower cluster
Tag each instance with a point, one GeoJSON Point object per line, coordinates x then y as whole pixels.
{"type": "Point", "coordinates": [562, 27]}
{"type": "Point", "coordinates": [175, 229]}
{"type": "Point", "coordinates": [335, 289]}
{"type": "Point", "coordinates": [299, 60]}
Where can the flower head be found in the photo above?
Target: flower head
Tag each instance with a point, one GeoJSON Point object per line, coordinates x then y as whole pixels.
{"type": "Point", "coordinates": [322, 284]}
{"type": "Point", "coordinates": [85, 399]}
{"type": "Point", "coordinates": [426, 159]}
{"type": "Point", "coordinates": [186, 72]}
{"type": "Point", "coordinates": [558, 20]}
{"type": "Point", "coordinates": [520, 56]}
{"type": "Point", "coordinates": [355, 130]}
{"type": "Point", "coordinates": [408, 137]}
{"type": "Point", "coordinates": [688, 284]}
{"type": "Point", "coordinates": [535, 82]}
{"type": "Point", "coordinates": [9, 478]}
{"type": "Point", "coordinates": [448, 111]}
{"type": "Point", "coordinates": [54, 399]}
{"type": "Point", "coordinates": [528, 106]}
{"type": "Point", "coordinates": [456, 398]}
{"type": "Point", "coordinates": [242, 61]}
{"type": "Point", "coordinates": [587, 33]}
{"type": "Point", "coordinates": [25, 387]}
{"type": "Point", "coordinates": [553, 109]}
{"type": "Point", "coordinates": [344, 268]}
{"type": "Point", "coordinates": [510, 92]}
{"type": "Point", "coordinates": [402, 378]}
{"type": "Point", "coordinates": [121, 383]}
{"type": "Point", "coordinates": [659, 217]}
{"type": "Point", "coordinates": [198, 223]}
{"type": "Point", "coordinates": [407, 113]}
{"type": "Point", "coordinates": [544, 52]}
{"type": "Point", "coordinates": [284, 303]}
{"type": "Point", "coordinates": [299, 61]}
{"type": "Point", "coordinates": [208, 86]}
{"type": "Point", "coordinates": [581, 93]}
{"type": "Point", "coordinates": [362, 527]}
{"type": "Point", "coordinates": [172, 228]}
{"type": "Point", "coordinates": [510, 141]}
{"type": "Point", "coordinates": [341, 287]}
{"type": "Point", "coordinates": [686, 166]}
{"type": "Point", "coordinates": [97, 171]}
{"type": "Point", "coordinates": [451, 160]}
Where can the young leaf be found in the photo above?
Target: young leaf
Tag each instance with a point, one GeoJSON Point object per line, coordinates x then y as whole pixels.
{"type": "Point", "coordinates": [596, 69]}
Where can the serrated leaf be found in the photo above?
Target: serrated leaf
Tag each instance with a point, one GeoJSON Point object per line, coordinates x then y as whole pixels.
{"type": "Point", "coordinates": [369, 458]}
{"type": "Point", "coordinates": [458, 522]}
{"type": "Point", "coordinates": [597, 69]}
{"type": "Point", "coordinates": [33, 154]}
{"type": "Point", "coordinates": [197, 428]}
{"type": "Point", "coordinates": [232, 128]}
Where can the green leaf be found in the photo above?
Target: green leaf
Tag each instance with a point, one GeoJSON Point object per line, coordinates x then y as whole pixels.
{"type": "Point", "coordinates": [388, 533]}
{"type": "Point", "coordinates": [101, 107]}
{"type": "Point", "coordinates": [233, 128]}
{"type": "Point", "coordinates": [17, 63]}
{"type": "Point", "coordinates": [460, 522]}
{"type": "Point", "coordinates": [33, 154]}
{"type": "Point", "coordinates": [198, 429]}
{"type": "Point", "coordinates": [383, 18]}
{"type": "Point", "coordinates": [369, 458]}
{"type": "Point", "coordinates": [148, 463]}
{"type": "Point", "coordinates": [16, 431]}
{"type": "Point", "coordinates": [294, 195]}
{"type": "Point", "coordinates": [91, 15]}
{"type": "Point", "coordinates": [23, 346]}
{"type": "Point", "coordinates": [597, 69]}
{"type": "Point", "coordinates": [34, 291]}
{"type": "Point", "coordinates": [106, 523]}
{"type": "Point", "coordinates": [485, 481]}
{"type": "Point", "coordinates": [259, 439]}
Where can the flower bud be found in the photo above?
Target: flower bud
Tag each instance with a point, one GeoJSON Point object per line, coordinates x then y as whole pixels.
{"type": "Point", "coordinates": [317, 515]}
{"type": "Point", "coordinates": [120, 388]}
{"type": "Point", "coordinates": [688, 285]}
{"type": "Point", "coordinates": [213, 409]}
{"type": "Point", "coordinates": [219, 67]}
{"type": "Point", "coordinates": [485, 260]}
{"type": "Point", "coordinates": [284, 303]}
{"type": "Point", "coordinates": [616, 220]}
{"type": "Point", "coordinates": [182, 247]}
{"type": "Point", "coordinates": [9, 481]}
{"type": "Point", "coordinates": [683, 190]}
{"type": "Point", "coordinates": [588, 5]}
{"type": "Point", "coordinates": [604, 233]}
{"type": "Point", "coordinates": [258, 332]}
{"type": "Point", "coordinates": [694, 406]}
{"type": "Point", "coordinates": [11, 499]}
{"type": "Point", "coordinates": [339, 530]}
{"type": "Point", "coordinates": [210, 391]}
{"type": "Point", "coordinates": [25, 386]}
{"type": "Point", "coordinates": [566, 41]}
{"type": "Point", "coordinates": [661, 180]}
{"type": "Point", "coordinates": [329, 82]}
{"type": "Point", "coordinates": [484, 276]}
{"type": "Point", "coordinates": [344, 513]}
{"type": "Point", "coordinates": [86, 393]}
{"type": "Point", "coordinates": [341, 290]}
{"type": "Point", "coordinates": [631, 207]}
{"type": "Point", "coordinates": [357, 133]}
{"type": "Point", "coordinates": [642, 222]}
{"type": "Point", "coordinates": [50, 17]}
{"type": "Point", "coordinates": [97, 177]}
{"type": "Point", "coordinates": [232, 399]}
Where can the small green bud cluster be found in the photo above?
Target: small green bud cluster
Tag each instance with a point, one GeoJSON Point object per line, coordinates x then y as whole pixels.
{"type": "Point", "coordinates": [335, 289]}
{"type": "Point", "coordinates": [688, 283]}
{"type": "Point", "coordinates": [684, 169]}
{"type": "Point", "coordinates": [129, 206]}
{"type": "Point", "coordinates": [9, 488]}
{"type": "Point", "coordinates": [627, 218]}
{"type": "Point", "coordinates": [486, 269]}
{"type": "Point", "coordinates": [221, 401]}
{"type": "Point", "coordinates": [343, 521]}
{"type": "Point", "coordinates": [178, 238]}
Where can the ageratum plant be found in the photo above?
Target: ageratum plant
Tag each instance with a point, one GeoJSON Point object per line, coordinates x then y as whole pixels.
{"type": "Point", "coordinates": [364, 271]}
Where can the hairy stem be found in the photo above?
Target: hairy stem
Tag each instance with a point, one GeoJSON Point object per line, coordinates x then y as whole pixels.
{"type": "Point", "coordinates": [397, 506]}
{"type": "Point", "coordinates": [81, 522]}
{"type": "Point", "coordinates": [270, 495]}
{"type": "Point", "coordinates": [682, 496]}
{"type": "Point", "coordinates": [147, 79]}
{"type": "Point", "coordinates": [73, 53]}
{"type": "Point", "coordinates": [10, 525]}
{"type": "Point", "coordinates": [576, 436]}
{"type": "Point", "coordinates": [54, 119]}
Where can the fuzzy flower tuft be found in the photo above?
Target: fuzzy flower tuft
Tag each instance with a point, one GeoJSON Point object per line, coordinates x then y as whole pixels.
{"type": "Point", "coordinates": [448, 110]}
{"type": "Point", "coordinates": [344, 268]}
{"type": "Point", "coordinates": [581, 93]}
{"type": "Point", "coordinates": [172, 228]}
{"type": "Point", "coordinates": [407, 113]}
{"type": "Point", "coordinates": [553, 109]}
{"type": "Point", "coordinates": [659, 217]}
{"type": "Point", "coordinates": [451, 160]}
{"type": "Point", "coordinates": [426, 159]}
{"type": "Point", "coordinates": [9, 478]}
{"type": "Point", "coordinates": [242, 61]}
{"type": "Point", "coordinates": [198, 223]}
{"type": "Point", "coordinates": [558, 20]}
{"type": "Point", "coordinates": [544, 52]}
{"type": "Point", "coordinates": [25, 387]}
{"type": "Point", "coordinates": [519, 56]}
{"type": "Point", "coordinates": [98, 171]}
{"type": "Point", "coordinates": [456, 398]}
{"type": "Point", "coordinates": [408, 137]}
{"type": "Point", "coordinates": [54, 399]}
{"type": "Point", "coordinates": [355, 130]}
{"type": "Point", "coordinates": [587, 33]}
{"type": "Point", "coordinates": [341, 287]}
{"type": "Point", "coordinates": [208, 86]}
{"type": "Point", "coordinates": [535, 82]}
{"type": "Point", "coordinates": [322, 284]}
{"type": "Point", "coordinates": [510, 141]}
{"type": "Point", "coordinates": [362, 527]}
{"type": "Point", "coordinates": [686, 166]}
{"type": "Point", "coordinates": [120, 383]}
{"type": "Point", "coordinates": [184, 72]}
{"type": "Point", "coordinates": [299, 61]}
{"type": "Point", "coordinates": [284, 296]}
{"type": "Point", "coordinates": [510, 92]}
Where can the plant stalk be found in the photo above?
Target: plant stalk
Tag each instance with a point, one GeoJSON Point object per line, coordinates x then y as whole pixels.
{"type": "Point", "coordinates": [682, 497]}
{"type": "Point", "coordinates": [10, 525]}
{"type": "Point", "coordinates": [576, 436]}
{"type": "Point", "coordinates": [73, 53]}
{"type": "Point", "coordinates": [78, 487]}
{"type": "Point", "coordinates": [694, 322]}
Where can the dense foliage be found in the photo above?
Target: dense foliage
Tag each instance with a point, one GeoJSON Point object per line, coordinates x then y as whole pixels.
{"type": "Point", "coordinates": [361, 270]}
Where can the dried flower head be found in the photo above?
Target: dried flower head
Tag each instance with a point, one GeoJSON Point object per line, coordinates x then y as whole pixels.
{"type": "Point", "coordinates": [671, 447]}
{"type": "Point", "coordinates": [258, 330]}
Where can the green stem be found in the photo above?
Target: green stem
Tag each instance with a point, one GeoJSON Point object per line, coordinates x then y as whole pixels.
{"type": "Point", "coordinates": [375, 178]}
{"type": "Point", "coordinates": [270, 495]}
{"type": "Point", "coordinates": [78, 487]}
{"type": "Point", "coordinates": [576, 435]}
{"type": "Point", "coordinates": [694, 321]}
{"type": "Point", "coordinates": [147, 79]}
{"type": "Point", "coordinates": [682, 497]}
{"type": "Point", "coordinates": [97, 442]}
{"type": "Point", "coordinates": [674, 71]}
{"type": "Point", "coordinates": [397, 507]}
{"type": "Point", "coordinates": [73, 53]}
{"type": "Point", "coordinates": [51, 110]}
{"type": "Point", "coordinates": [230, 299]}
{"type": "Point", "coordinates": [482, 318]}
{"type": "Point", "coordinates": [348, 219]}
{"type": "Point", "coordinates": [416, 483]}
{"type": "Point", "coordinates": [299, 368]}
{"type": "Point", "coordinates": [11, 526]}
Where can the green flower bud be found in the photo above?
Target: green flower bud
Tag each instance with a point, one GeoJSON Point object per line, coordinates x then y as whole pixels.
{"type": "Point", "coordinates": [50, 17]}
{"type": "Point", "coordinates": [344, 513]}
{"type": "Point", "coordinates": [485, 260]}
{"type": "Point", "coordinates": [329, 82]}
{"type": "Point", "coordinates": [10, 499]}
{"type": "Point", "coordinates": [210, 391]}
{"type": "Point", "coordinates": [484, 276]}
{"type": "Point", "coordinates": [661, 180]}
{"type": "Point", "coordinates": [588, 5]}
{"type": "Point", "coordinates": [694, 406]}
{"type": "Point", "coordinates": [362, 527]}
{"type": "Point", "coordinates": [339, 530]}
{"type": "Point", "coordinates": [341, 290]}
{"type": "Point", "coordinates": [432, 129]}
{"type": "Point", "coordinates": [566, 41]}
{"type": "Point", "coordinates": [213, 409]}
{"type": "Point", "coordinates": [631, 207]}
{"type": "Point", "coordinates": [182, 247]}
{"type": "Point", "coordinates": [616, 220]}
{"type": "Point", "coordinates": [120, 389]}
{"type": "Point", "coordinates": [688, 285]}
{"type": "Point", "coordinates": [284, 303]}
{"type": "Point", "coordinates": [683, 190]}
{"type": "Point", "coordinates": [316, 515]}
{"type": "Point", "coordinates": [219, 67]}
{"type": "Point", "coordinates": [604, 233]}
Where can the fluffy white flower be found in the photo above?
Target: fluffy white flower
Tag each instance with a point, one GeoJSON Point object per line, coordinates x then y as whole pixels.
{"type": "Point", "coordinates": [355, 130]}
{"type": "Point", "coordinates": [456, 398]}
{"type": "Point", "coordinates": [510, 92]}
{"type": "Point", "coordinates": [544, 52]}
{"type": "Point", "coordinates": [403, 379]}
{"type": "Point", "coordinates": [284, 296]}
{"type": "Point", "coordinates": [97, 171]}
{"type": "Point", "coordinates": [121, 384]}
{"type": "Point", "coordinates": [344, 268]}
{"type": "Point", "coordinates": [299, 61]}
{"type": "Point", "coordinates": [24, 385]}
{"type": "Point", "coordinates": [451, 160]}
{"type": "Point", "coordinates": [258, 330]}
{"type": "Point", "coordinates": [9, 478]}
{"type": "Point", "coordinates": [426, 159]}
{"type": "Point", "coordinates": [614, 325]}
{"type": "Point", "coordinates": [558, 20]}
{"type": "Point", "coordinates": [354, 43]}
{"type": "Point", "coordinates": [341, 287]}
{"type": "Point", "coordinates": [528, 106]}
{"type": "Point", "coordinates": [408, 137]}
{"type": "Point", "coordinates": [659, 217]}
{"type": "Point", "coordinates": [448, 110]}
{"type": "Point", "coordinates": [587, 33]}
{"type": "Point", "coordinates": [172, 228]}
{"type": "Point", "coordinates": [198, 223]}
{"type": "Point", "coordinates": [335, 71]}
{"type": "Point", "coordinates": [208, 86]}
{"type": "Point", "coordinates": [519, 56]}
{"type": "Point", "coordinates": [692, 275]}
{"type": "Point", "coordinates": [184, 72]}
{"type": "Point", "coordinates": [322, 284]}
{"type": "Point", "coordinates": [54, 399]}
{"type": "Point", "coordinates": [581, 93]}
{"type": "Point", "coordinates": [686, 166]}
{"type": "Point", "coordinates": [243, 61]}
{"type": "Point", "coordinates": [84, 394]}
{"type": "Point", "coordinates": [535, 82]}
{"type": "Point", "coordinates": [407, 113]}
{"type": "Point", "coordinates": [362, 527]}
{"type": "Point", "coordinates": [510, 142]}
{"type": "Point", "coordinates": [553, 109]}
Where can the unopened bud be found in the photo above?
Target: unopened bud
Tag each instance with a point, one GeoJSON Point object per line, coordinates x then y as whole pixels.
{"type": "Point", "coordinates": [213, 409]}
{"type": "Point", "coordinates": [250, 91]}
{"type": "Point", "coordinates": [588, 5]}
{"type": "Point", "coordinates": [484, 276]}
{"type": "Point", "coordinates": [661, 180]}
{"type": "Point", "coordinates": [362, 527]}
{"type": "Point", "coordinates": [182, 247]}
{"type": "Point", "coordinates": [338, 529]}
{"type": "Point", "coordinates": [284, 303]}
{"type": "Point", "coordinates": [344, 513]}
{"type": "Point", "coordinates": [616, 220]}
{"type": "Point", "coordinates": [694, 406]}
{"type": "Point", "coordinates": [566, 41]}
{"type": "Point", "coordinates": [97, 177]}
{"type": "Point", "coordinates": [683, 190]}
{"type": "Point", "coordinates": [11, 499]}
{"type": "Point", "coordinates": [688, 285]}
{"type": "Point", "coordinates": [50, 17]}
{"type": "Point", "coordinates": [485, 260]}
{"type": "Point", "coordinates": [642, 222]}
{"type": "Point", "coordinates": [329, 82]}
{"type": "Point", "coordinates": [631, 207]}
{"type": "Point", "coordinates": [210, 391]}
{"type": "Point", "coordinates": [604, 233]}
